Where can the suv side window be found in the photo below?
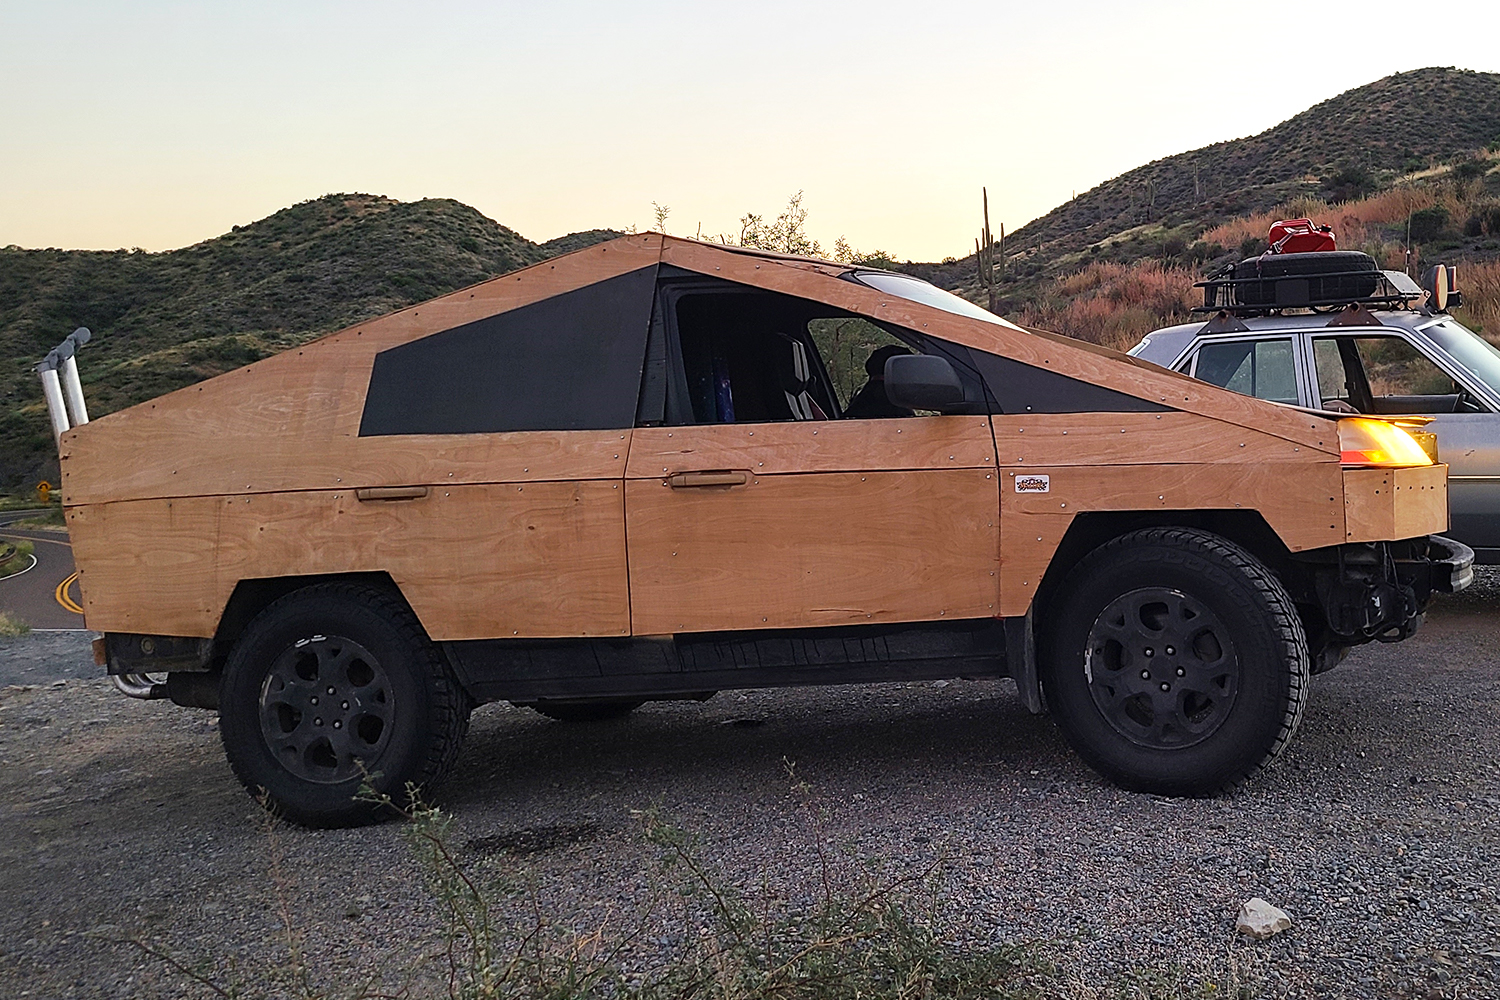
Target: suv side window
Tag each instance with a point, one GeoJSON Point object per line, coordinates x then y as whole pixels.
{"type": "Point", "coordinates": [1382, 375]}
{"type": "Point", "coordinates": [1266, 369]}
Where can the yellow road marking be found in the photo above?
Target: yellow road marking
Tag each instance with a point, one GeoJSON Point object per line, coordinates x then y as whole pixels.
{"type": "Point", "coordinates": [64, 598]}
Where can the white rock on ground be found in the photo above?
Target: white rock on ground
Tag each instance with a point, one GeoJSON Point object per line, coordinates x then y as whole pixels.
{"type": "Point", "coordinates": [1260, 920]}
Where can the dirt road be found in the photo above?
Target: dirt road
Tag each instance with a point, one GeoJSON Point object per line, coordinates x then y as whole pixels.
{"type": "Point", "coordinates": [1379, 831]}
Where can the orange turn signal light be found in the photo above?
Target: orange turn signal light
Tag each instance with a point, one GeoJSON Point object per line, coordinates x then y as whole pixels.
{"type": "Point", "coordinates": [1363, 441]}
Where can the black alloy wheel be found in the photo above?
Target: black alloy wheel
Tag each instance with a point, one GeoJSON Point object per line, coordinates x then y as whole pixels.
{"type": "Point", "coordinates": [326, 707]}
{"type": "Point", "coordinates": [1161, 668]}
{"type": "Point", "coordinates": [332, 688]}
{"type": "Point", "coordinates": [1174, 661]}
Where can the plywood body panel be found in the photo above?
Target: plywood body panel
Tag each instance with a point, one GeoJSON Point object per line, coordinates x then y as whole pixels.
{"type": "Point", "coordinates": [474, 561]}
{"type": "Point", "coordinates": [789, 551]}
{"type": "Point", "coordinates": [291, 422]}
{"type": "Point", "coordinates": [1143, 439]}
{"type": "Point", "coordinates": [815, 446]}
{"type": "Point", "coordinates": [804, 542]}
{"type": "Point", "coordinates": [1308, 517]}
{"type": "Point", "coordinates": [1395, 503]}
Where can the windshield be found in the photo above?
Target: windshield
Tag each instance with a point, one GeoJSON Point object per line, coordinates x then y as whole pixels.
{"type": "Point", "coordinates": [918, 290]}
{"type": "Point", "coordinates": [1468, 349]}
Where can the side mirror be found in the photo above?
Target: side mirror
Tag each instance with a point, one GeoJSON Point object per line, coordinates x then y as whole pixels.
{"type": "Point", "coordinates": [922, 382]}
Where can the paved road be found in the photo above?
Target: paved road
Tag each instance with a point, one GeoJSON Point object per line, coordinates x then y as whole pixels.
{"type": "Point", "coordinates": [37, 596]}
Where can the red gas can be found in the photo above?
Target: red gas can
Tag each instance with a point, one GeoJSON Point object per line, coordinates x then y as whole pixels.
{"type": "Point", "coordinates": [1301, 236]}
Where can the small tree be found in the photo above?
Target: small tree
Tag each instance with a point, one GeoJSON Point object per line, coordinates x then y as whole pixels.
{"type": "Point", "coordinates": [788, 234]}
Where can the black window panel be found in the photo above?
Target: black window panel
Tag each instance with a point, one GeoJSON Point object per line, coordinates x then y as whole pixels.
{"type": "Point", "coordinates": [569, 362]}
{"type": "Point", "coordinates": [1021, 388]}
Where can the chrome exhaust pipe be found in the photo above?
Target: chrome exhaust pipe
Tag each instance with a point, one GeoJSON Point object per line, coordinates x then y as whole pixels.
{"type": "Point", "coordinates": [139, 686]}
{"type": "Point", "coordinates": [61, 386]}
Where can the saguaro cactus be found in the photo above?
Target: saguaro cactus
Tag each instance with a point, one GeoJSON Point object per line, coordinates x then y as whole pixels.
{"type": "Point", "coordinates": [984, 253]}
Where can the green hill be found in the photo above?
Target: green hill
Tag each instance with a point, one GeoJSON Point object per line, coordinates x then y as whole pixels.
{"type": "Point", "coordinates": [165, 320]}
{"type": "Point", "coordinates": [1394, 126]}
{"type": "Point", "coordinates": [1120, 259]}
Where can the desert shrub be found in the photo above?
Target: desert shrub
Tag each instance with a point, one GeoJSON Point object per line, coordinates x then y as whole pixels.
{"type": "Point", "coordinates": [1474, 225]}
{"type": "Point", "coordinates": [1429, 223]}
{"type": "Point", "coordinates": [1470, 170]}
{"type": "Point", "coordinates": [1349, 183]}
{"type": "Point", "coordinates": [1114, 304]}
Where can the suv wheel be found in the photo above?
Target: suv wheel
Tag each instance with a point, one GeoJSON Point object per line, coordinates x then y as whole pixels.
{"type": "Point", "coordinates": [331, 687]}
{"type": "Point", "coordinates": [1175, 662]}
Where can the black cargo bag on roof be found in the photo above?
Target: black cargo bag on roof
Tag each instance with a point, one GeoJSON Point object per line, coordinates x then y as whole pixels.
{"type": "Point", "coordinates": [1331, 277]}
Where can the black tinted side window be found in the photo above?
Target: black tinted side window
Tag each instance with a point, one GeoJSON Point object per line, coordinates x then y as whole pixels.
{"type": "Point", "coordinates": [569, 362]}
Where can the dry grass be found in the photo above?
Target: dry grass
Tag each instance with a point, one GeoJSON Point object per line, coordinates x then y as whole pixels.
{"type": "Point", "coordinates": [1115, 305]}
{"type": "Point", "coordinates": [1480, 284]}
{"type": "Point", "coordinates": [1352, 221]}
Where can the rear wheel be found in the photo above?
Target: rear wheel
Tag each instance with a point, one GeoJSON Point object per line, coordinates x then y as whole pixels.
{"type": "Point", "coordinates": [334, 686]}
{"type": "Point", "coordinates": [1175, 662]}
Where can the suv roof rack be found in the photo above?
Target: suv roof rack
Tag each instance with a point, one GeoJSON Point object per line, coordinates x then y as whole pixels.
{"type": "Point", "coordinates": [1222, 292]}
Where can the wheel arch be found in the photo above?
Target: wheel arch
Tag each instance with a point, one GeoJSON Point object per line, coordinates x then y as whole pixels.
{"type": "Point", "coordinates": [1089, 530]}
{"type": "Point", "coordinates": [251, 597]}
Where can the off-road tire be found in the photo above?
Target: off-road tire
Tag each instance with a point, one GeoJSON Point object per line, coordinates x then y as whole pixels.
{"type": "Point", "coordinates": [1233, 592]}
{"type": "Point", "coordinates": [597, 710]}
{"type": "Point", "coordinates": [424, 712]}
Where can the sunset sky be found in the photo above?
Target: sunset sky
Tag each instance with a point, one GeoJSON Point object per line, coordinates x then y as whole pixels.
{"type": "Point", "coordinates": [156, 125]}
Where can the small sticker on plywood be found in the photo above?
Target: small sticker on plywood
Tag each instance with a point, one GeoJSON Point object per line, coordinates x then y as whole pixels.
{"type": "Point", "coordinates": [1033, 484]}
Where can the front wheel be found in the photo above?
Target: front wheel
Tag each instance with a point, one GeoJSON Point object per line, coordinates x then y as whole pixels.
{"type": "Point", "coordinates": [332, 687]}
{"type": "Point", "coordinates": [1175, 662]}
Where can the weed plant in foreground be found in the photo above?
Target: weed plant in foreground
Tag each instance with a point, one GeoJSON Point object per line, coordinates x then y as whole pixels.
{"type": "Point", "coordinates": [862, 938]}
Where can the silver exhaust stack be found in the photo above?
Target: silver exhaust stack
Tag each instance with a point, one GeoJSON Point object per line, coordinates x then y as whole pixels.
{"type": "Point", "coordinates": [61, 386]}
{"type": "Point", "coordinates": [139, 686]}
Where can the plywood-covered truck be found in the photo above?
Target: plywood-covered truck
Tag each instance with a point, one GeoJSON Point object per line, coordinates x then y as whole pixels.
{"type": "Point", "coordinates": [658, 468]}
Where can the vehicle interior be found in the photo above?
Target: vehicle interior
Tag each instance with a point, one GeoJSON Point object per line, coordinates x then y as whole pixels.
{"type": "Point", "coordinates": [736, 355]}
{"type": "Point", "coordinates": [1364, 374]}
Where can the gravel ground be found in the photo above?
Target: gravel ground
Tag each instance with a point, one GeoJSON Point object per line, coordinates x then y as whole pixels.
{"type": "Point", "coordinates": [1377, 831]}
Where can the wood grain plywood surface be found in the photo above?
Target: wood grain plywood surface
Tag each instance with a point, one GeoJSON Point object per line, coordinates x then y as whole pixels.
{"type": "Point", "coordinates": [528, 560]}
{"type": "Point", "coordinates": [148, 566]}
{"type": "Point", "coordinates": [267, 460]}
{"type": "Point", "coordinates": [1308, 517]}
{"type": "Point", "coordinates": [815, 549]}
{"type": "Point", "coordinates": [1144, 439]}
{"type": "Point", "coordinates": [1387, 504]}
{"type": "Point", "coordinates": [815, 446]}
{"type": "Point", "coordinates": [281, 420]}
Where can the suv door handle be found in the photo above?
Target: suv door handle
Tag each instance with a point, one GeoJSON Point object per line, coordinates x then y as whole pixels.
{"type": "Point", "coordinates": [391, 493]}
{"type": "Point", "coordinates": [684, 480]}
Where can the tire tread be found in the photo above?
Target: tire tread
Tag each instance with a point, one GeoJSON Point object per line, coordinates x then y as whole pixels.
{"type": "Point", "coordinates": [1285, 622]}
